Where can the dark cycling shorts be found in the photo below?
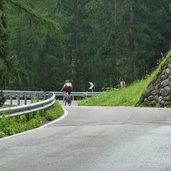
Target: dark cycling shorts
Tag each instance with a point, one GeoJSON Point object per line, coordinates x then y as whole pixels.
{"type": "Point", "coordinates": [67, 90]}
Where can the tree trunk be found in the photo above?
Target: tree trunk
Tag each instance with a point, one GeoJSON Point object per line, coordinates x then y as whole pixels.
{"type": "Point", "coordinates": [115, 8]}
{"type": "Point", "coordinates": [3, 46]}
{"type": "Point", "coordinates": [3, 35]}
{"type": "Point", "coordinates": [131, 44]}
{"type": "Point", "coordinates": [76, 46]}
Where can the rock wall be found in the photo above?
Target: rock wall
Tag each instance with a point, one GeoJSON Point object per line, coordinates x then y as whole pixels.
{"type": "Point", "coordinates": [159, 91]}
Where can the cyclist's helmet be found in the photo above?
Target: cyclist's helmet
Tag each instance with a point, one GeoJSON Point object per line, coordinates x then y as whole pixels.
{"type": "Point", "coordinates": [67, 81]}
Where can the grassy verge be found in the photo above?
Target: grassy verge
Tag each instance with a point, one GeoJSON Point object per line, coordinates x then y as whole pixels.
{"type": "Point", "coordinates": [54, 112]}
{"type": "Point", "coordinates": [128, 96]}
{"type": "Point", "coordinates": [11, 126]}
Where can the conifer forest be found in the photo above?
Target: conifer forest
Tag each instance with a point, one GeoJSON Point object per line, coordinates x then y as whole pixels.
{"type": "Point", "coordinates": [45, 42]}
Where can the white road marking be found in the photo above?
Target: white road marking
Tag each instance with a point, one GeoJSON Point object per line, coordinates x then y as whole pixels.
{"type": "Point", "coordinates": [43, 126]}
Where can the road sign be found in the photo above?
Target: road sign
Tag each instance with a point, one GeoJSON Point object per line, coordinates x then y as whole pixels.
{"type": "Point", "coordinates": [91, 86]}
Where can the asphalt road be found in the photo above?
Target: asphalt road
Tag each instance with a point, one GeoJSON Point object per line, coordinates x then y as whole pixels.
{"type": "Point", "coordinates": [94, 139]}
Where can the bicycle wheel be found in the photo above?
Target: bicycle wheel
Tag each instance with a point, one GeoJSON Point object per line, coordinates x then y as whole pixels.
{"type": "Point", "coordinates": [69, 100]}
{"type": "Point", "coordinates": [65, 100]}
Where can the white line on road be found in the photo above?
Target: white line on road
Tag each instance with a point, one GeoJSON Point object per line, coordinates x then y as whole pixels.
{"type": "Point", "coordinates": [43, 126]}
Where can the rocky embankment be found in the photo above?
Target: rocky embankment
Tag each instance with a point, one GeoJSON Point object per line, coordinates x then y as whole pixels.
{"type": "Point", "coordinates": [159, 91]}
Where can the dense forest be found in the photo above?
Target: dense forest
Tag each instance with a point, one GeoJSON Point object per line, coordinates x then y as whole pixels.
{"type": "Point", "coordinates": [102, 41]}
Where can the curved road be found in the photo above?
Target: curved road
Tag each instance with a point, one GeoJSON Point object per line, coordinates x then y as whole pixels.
{"type": "Point", "coordinates": [94, 139]}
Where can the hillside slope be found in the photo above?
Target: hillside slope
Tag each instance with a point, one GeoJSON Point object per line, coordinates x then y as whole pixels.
{"type": "Point", "coordinates": [132, 95]}
{"type": "Point", "coordinates": [158, 92]}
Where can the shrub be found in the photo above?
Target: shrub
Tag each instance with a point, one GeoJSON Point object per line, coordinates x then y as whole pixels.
{"type": "Point", "coordinates": [11, 126]}
{"type": "Point", "coordinates": [14, 125]}
{"type": "Point", "coordinates": [53, 113]}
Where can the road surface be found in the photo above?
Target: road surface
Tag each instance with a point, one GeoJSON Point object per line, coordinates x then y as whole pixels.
{"type": "Point", "coordinates": [94, 139]}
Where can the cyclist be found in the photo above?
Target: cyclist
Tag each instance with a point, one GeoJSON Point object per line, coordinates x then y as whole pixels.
{"type": "Point", "coordinates": [67, 88]}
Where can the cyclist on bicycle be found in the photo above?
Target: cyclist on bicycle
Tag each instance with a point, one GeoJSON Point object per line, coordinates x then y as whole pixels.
{"type": "Point", "coordinates": [67, 87]}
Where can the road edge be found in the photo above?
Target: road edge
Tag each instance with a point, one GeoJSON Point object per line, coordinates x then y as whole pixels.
{"type": "Point", "coordinates": [43, 126]}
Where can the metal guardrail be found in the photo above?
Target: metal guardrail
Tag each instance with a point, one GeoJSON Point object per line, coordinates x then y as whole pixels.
{"type": "Point", "coordinates": [38, 106]}
{"type": "Point", "coordinates": [29, 108]}
{"type": "Point", "coordinates": [45, 94]}
{"type": "Point", "coordinates": [78, 94]}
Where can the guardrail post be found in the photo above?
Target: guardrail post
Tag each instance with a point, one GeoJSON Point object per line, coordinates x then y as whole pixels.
{"type": "Point", "coordinates": [48, 95]}
{"type": "Point", "coordinates": [11, 100]}
{"type": "Point", "coordinates": [27, 116]}
{"type": "Point", "coordinates": [73, 98]}
{"type": "Point", "coordinates": [25, 99]}
{"type": "Point", "coordinates": [31, 98]}
{"type": "Point", "coordinates": [28, 110]}
{"type": "Point", "coordinates": [8, 95]}
{"type": "Point", "coordinates": [37, 97]}
{"type": "Point", "coordinates": [18, 100]}
{"type": "Point", "coordinates": [41, 112]}
{"type": "Point", "coordinates": [44, 95]}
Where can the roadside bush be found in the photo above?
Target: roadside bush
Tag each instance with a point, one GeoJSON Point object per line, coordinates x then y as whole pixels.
{"type": "Point", "coordinates": [14, 125]}
{"type": "Point", "coordinates": [2, 134]}
{"type": "Point", "coordinates": [34, 122]}
{"type": "Point", "coordinates": [55, 112]}
{"type": "Point", "coordinates": [11, 126]}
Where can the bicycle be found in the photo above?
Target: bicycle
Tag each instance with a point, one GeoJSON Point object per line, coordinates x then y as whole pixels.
{"type": "Point", "coordinates": [67, 99]}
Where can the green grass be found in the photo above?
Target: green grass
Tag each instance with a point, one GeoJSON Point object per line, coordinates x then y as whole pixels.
{"type": "Point", "coordinates": [54, 112]}
{"type": "Point", "coordinates": [14, 125]}
{"type": "Point", "coordinates": [128, 96]}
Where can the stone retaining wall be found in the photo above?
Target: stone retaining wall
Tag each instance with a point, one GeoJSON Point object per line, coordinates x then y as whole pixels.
{"type": "Point", "coordinates": [159, 91]}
